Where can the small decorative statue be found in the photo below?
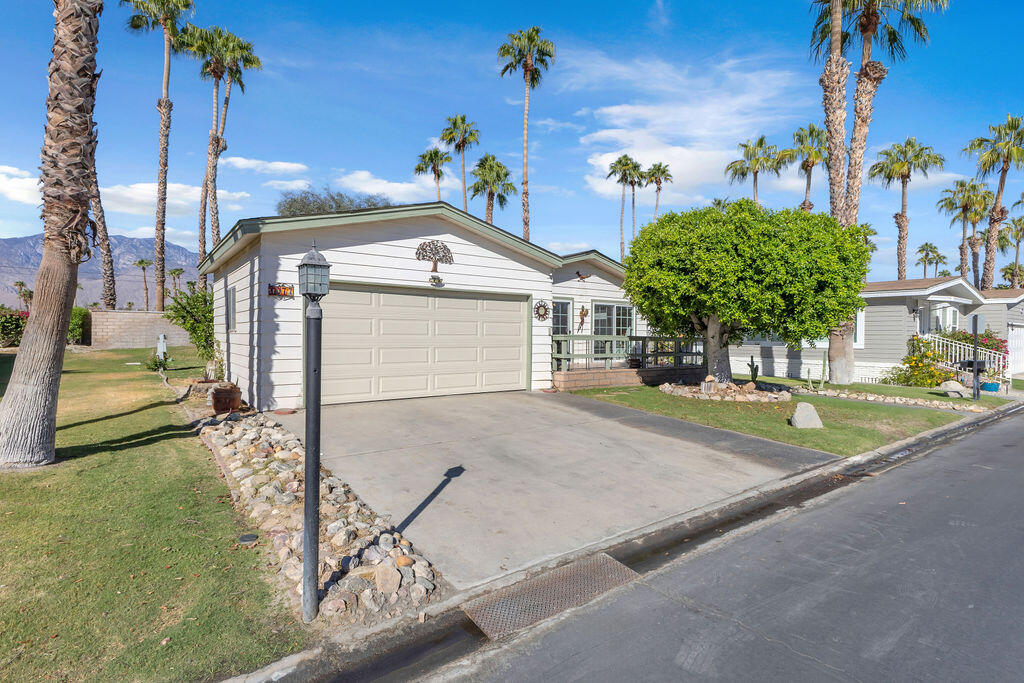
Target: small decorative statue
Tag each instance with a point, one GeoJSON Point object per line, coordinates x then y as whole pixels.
{"type": "Point", "coordinates": [582, 277]}
{"type": "Point", "coordinates": [436, 251]}
{"type": "Point", "coordinates": [583, 318]}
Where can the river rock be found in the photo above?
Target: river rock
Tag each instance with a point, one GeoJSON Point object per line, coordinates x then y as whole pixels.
{"type": "Point", "coordinates": [805, 417]}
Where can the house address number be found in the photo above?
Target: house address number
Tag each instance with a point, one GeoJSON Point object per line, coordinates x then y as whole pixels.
{"type": "Point", "coordinates": [279, 289]}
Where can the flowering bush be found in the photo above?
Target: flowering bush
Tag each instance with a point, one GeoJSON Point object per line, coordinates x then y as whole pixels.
{"type": "Point", "coordinates": [12, 325]}
{"type": "Point", "coordinates": [986, 339]}
{"type": "Point", "coordinates": [919, 367]}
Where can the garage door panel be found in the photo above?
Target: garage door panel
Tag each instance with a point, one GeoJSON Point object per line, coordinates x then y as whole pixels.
{"type": "Point", "coordinates": [389, 343]}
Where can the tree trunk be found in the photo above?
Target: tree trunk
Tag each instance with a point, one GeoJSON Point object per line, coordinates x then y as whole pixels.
{"type": "Point", "coordinates": [211, 165]}
{"type": "Point", "coordinates": [716, 350]}
{"type": "Point", "coordinates": [221, 145]}
{"type": "Point", "coordinates": [806, 206]}
{"type": "Point", "coordinates": [833, 86]}
{"type": "Point", "coordinates": [840, 353]}
{"type": "Point", "coordinates": [868, 79]}
{"type": "Point", "coordinates": [657, 198]}
{"type": "Point", "coordinates": [527, 75]}
{"type": "Point", "coordinates": [462, 164]}
{"type": "Point", "coordinates": [437, 184]}
{"type": "Point", "coordinates": [164, 107]}
{"type": "Point", "coordinates": [622, 232]}
{"type": "Point", "coordinates": [995, 220]}
{"type": "Point", "coordinates": [975, 245]}
{"type": "Point", "coordinates": [145, 289]}
{"type": "Point", "coordinates": [28, 411]}
{"type": "Point", "coordinates": [103, 238]}
{"type": "Point", "coordinates": [1015, 282]}
{"type": "Point", "coordinates": [902, 229]}
{"type": "Point", "coordinates": [755, 190]}
{"type": "Point", "coordinates": [633, 190]}
{"type": "Point", "coordinates": [489, 213]}
{"type": "Point", "coordinates": [965, 263]}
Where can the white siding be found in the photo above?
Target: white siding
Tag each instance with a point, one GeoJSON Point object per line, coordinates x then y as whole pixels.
{"type": "Point", "coordinates": [385, 253]}
{"type": "Point", "coordinates": [994, 316]}
{"type": "Point", "coordinates": [241, 360]}
{"type": "Point", "coordinates": [601, 286]}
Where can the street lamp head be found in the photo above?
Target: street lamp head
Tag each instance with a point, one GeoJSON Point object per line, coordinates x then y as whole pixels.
{"type": "Point", "coordinates": [314, 275]}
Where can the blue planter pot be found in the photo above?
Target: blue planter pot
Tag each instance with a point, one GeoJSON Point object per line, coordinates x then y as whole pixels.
{"type": "Point", "coordinates": [990, 386]}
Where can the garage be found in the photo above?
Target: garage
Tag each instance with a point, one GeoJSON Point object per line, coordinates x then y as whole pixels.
{"type": "Point", "coordinates": [390, 342]}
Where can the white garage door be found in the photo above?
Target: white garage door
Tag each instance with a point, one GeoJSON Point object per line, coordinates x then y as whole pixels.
{"type": "Point", "coordinates": [403, 343]}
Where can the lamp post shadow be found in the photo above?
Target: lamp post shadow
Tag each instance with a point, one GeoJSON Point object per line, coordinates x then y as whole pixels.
{"type": "Point", "coordinates": [450, 474]}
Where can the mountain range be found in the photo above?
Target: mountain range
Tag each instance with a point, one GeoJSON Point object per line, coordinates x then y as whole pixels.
{"type": "Point", "coordinates": [20, 256]}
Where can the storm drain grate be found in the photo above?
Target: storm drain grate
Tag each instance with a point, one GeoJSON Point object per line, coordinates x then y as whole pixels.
{"type": "Point", "coordinates": [524, 604]}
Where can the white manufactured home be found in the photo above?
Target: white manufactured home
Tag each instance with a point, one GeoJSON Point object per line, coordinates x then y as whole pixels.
{"type": "Point", "coordinates": [397, 322]}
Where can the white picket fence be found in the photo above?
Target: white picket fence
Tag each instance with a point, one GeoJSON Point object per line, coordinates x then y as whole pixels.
{"type": "Point", "coordinates": [1015, 345]}
{"type": "Point", "coordinates": [952, 352]}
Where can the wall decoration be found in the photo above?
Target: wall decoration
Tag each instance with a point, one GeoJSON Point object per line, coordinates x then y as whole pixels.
{"type": "Point", "coordinates": [280, 289]}
{"type": "Point", "coordinates": [436, 251]}
{"type": "Point", "coordinates": [436, 281]}
{"type": "Point", "coordinates": [541, 310]}
{"type": "Point", "coordinates": [583, 318]}
{"type": "Point", "coordinates": [582, 277]}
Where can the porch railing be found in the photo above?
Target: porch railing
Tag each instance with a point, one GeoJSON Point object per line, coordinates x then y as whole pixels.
{"type": "Point", "coordinates": [588, 351]}
{"type": "Point", "coordinates": [952, 352]}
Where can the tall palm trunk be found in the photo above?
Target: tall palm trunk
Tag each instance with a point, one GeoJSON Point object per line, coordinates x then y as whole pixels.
{"type": "Point", "coordinates": [806, 206]}
{"type": "Point", "coordinates": [902, 231]}
{"type": "Point", "coordinates": [633, 189]}
{"type": "Point", "coordinates": [1015, 281]}
{"type": "Point", "coordinates": [489, 213]}
{"type": "Point", "coordinates": [211, 166]}
{"type": "Point", "coordinates": [28, 411]}
{"type": "Point", "coordinates": [622, 232]}
{"type": "Point", "coordinates": [657, 198]}
{"type": "Point", "coordinates": [164, 106]}
{"type": "Point", "coordinates": [869, 78]}
{"type": "Point", "coordinates": [107, 259]}
{"type": "Point", "coordinates": [975, 244]}
{"type": "Point", "coordinates": [527, 76]}
{"type": "Point", "coordinates": [462, 164]}
{"type": "Point", "coordinates": [145, 289]}
{"type": "Point", "coordinates": [437, 184]}
{"type": "Point", "coordinates": [965, 263]}
{"type": "Point", "coordinates": [755, 190]}
{"type": "Point", "coordinates": [995, 219]}
{"type": "Point", "coordinates": [221, 146]}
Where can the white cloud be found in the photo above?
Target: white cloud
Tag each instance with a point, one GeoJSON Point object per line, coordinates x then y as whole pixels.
{"type": "Point", "coordinates": [514, 102]}
{"type": "Point", "coordinates": [935, 179]}
{"type": "Point", "coordinates": [19, 186]}
{"type": "Point", "coordinates": [419, 189]}
{"type": "Point", "coordinates": [265, 167]}
{"type": "Point", "coordinates": [184, 238]}
{"type": "Point", "coordinates": [658, 19]}
{"type": "Point", "coordinates": [551, 125]}
{"type": "Point", "coordinates": [792, 180]}
{"type": "Point", "coordinates": [567, 247]}
{"type": "Point", "coordinates": [552, 189]}
{"type": "Point", "coordinates": [140, 198]}
{"type": "Point", "coordinates": [300, 184]}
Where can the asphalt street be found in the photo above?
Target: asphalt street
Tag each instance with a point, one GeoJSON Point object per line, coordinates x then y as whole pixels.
{"type": "Point", "coordinates": [916, 574]}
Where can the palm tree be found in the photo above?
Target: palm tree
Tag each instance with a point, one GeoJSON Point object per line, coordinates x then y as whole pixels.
{"type": "Point", "coordinates": [28, 299]}
{"type": "Point", "coordinates": [927, 253]}
{"type": "Point", "coordinates": [939, 260]}
{"type": "Point", "coordinates": [809, 145]}
{"type": "Point", "coordinates": [634, 176]}
{"type": "Point", "coordinates": [19, 288]}
{"type": "Point", "coordinates": [983, 204]}
{"type": "Point", "coordinates": [997, 153]}
{"type": "Point", "coordinates": [621, 169]}
{"type": "Point", "coordinates": [433, 161]}
{"type": "Point", "coordinates": [1011, 237]}
{"type": "Point", "coordinates": [492, 181]}
{"type": "Point", "coordinates": [143, 264]}
{"type": "Point", "coordinates": [885, 22]}
{"type": "Point", "coordinates": [944, 273]}
{"type": "Point", "coordinates": [959, 202]}
{"type": "Point", "coordinates": [461, 134]}
{"type": "Point", "coordinates": [103, 240]}
{"type": "Point", "coordinates": [176, 274]}
{"type": "Point", "coordinates": [757, 157]}
{"type": "Point", "coordinates": [899, 162]}
{"type": "Point", "coordinates": [526, 51]}
{"type": "Point", "coordinates": [28, 412]}
{"type": "Point", "coordinates": [150, 15]}
{"type": "Point", "coordinates": [657, 174]}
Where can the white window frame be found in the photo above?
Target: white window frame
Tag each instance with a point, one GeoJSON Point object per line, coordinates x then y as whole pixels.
{"type": "Point", "coordinates": [230, 309]}
{"type": "Point", "coordinates": [568, 319]}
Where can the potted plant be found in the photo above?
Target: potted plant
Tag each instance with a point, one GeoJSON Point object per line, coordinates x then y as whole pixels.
{"type": "Point", "coordinates": [990, 381]}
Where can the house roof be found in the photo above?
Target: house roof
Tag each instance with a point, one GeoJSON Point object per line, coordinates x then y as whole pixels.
{"type": "Point", "coordinates": [246, 230]}
{"type": "Point", "coordinates": [594, 256]}
{"type": "Point", "coordinates": [903, 285]}
{"type": "Point", "coordinates": [1004, 295]}
{"type": "Point", "coordinates": [924, 287]}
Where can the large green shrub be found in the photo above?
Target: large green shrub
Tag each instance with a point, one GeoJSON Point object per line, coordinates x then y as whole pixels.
{"type": "Point", "coordinates": [78, 326]}
{"type": "Point", "coordinates": [191, 309]}
{"type": "Point", "coordinates": [12, 325]}
{"type": "Point", "coordinates": [919, 368]}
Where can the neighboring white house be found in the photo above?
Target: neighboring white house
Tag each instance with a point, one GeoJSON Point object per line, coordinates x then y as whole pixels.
{"type": "Point", "coordinates": [896, 310]}
{"type": "Point", "coordinates": [393, 328]}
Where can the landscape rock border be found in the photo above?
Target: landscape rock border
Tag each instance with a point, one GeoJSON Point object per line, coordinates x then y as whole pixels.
{"type": "Point", "coordinates": [370, 573]}
{"type": "Point", "coordinates": [895, 400]}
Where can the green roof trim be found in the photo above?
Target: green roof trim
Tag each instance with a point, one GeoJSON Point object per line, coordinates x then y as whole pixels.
{"type": "Point", "coordinates": [247, 227]}
{"type": "Point", "coordinates": [595, 255]}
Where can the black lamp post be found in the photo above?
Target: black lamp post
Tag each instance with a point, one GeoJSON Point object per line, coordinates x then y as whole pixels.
{"type": "Point", "coordinates": [314, 282]}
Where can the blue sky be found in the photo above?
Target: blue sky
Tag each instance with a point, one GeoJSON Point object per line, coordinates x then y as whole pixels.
{"type": "Point", "coordinates": [351, 93]}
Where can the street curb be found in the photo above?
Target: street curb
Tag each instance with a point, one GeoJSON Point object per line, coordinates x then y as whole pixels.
{"type": "Point", "coordinates": [446, 614]}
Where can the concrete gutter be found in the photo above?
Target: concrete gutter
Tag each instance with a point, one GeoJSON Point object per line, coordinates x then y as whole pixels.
{"type": "Point", "coordinates": [361, 646]}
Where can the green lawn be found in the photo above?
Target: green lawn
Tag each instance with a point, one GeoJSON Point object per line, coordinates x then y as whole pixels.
{"type": "Point", "coordinates": [1018, 384]}
{"type": "Point", "coordinates": [119, 562]}
{"type": "Point", "coordinates": [851, 427]}
{"type": "Point", "coordinates": [930, 394]}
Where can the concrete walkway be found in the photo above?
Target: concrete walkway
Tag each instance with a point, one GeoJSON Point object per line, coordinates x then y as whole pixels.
{"type": "Point", "coordinates": [541, 475]}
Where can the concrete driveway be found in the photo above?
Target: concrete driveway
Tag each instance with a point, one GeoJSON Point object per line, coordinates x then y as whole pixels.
{"type": "Point", "coordinates": [542, 474]}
